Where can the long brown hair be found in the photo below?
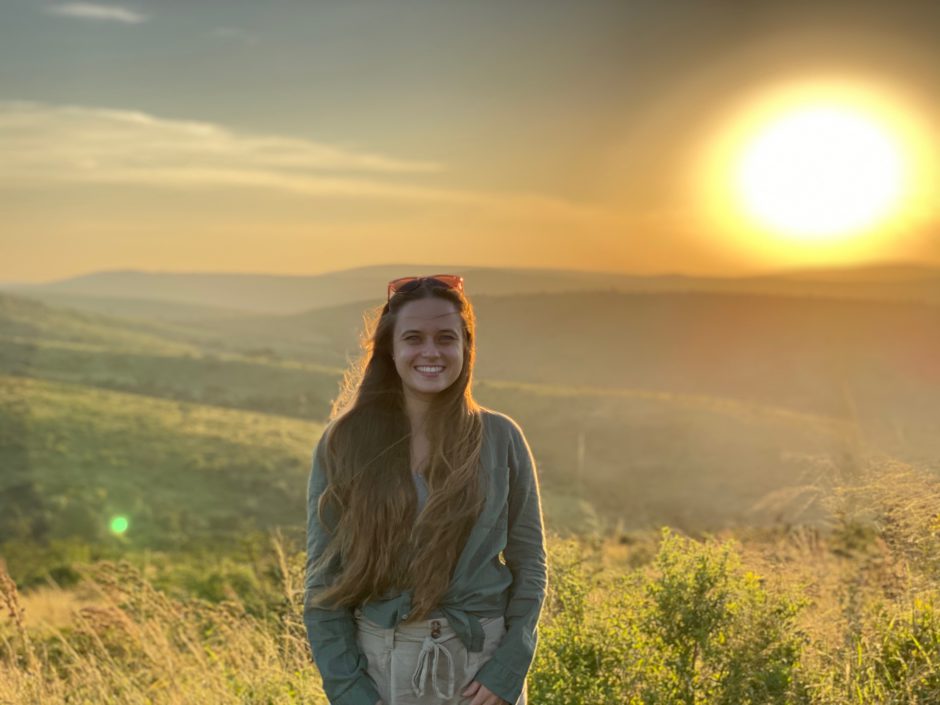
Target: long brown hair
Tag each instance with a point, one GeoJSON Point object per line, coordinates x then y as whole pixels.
{"type": "Point", "coordinates": [381, 543]}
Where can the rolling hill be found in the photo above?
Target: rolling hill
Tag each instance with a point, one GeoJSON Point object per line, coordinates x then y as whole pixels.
{"type": "Point", "coordinates": [871, 362]}
{"type": "Point", "coordinates": [87, 423]}
{"type": "Point", "coordinates": [75, 456]}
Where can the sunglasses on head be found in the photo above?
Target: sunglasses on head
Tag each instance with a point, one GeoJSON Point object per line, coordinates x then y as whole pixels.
{"type": "Point", "coordinates": [406, 284]}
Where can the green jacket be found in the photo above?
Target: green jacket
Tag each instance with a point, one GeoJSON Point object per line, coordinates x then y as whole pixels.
{"type": "Point", "coordinates": [482, 585]}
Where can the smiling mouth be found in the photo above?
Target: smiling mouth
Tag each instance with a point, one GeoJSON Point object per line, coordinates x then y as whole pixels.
{"type": "Point", "coordinates": [430, 369]}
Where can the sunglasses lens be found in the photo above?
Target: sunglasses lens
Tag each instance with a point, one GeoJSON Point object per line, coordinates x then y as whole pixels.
{"type": "Point", "coordinates": [396, 285]}
{"type": "Point", "coordinates": [451, 281]}
{"type": "Point", "coordinates": [442, 281]}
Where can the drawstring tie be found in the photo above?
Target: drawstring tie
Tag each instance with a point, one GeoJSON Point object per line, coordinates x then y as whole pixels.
{"type": "Point", "coordinates": [431, 650]}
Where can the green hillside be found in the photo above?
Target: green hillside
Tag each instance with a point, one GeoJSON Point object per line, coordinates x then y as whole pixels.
{"type": "Point", "coordinates": [26, 319]}
{"type": "Point", "coordinates": [643, 459]}
{"type": "Point", "coordinates": [74, 457]}
{"type": "Point", "coordinates": [103, 417]}
{"type": "Point", "coordinates": [189, 476]}
{"type": "Point", "coordinates": [37, 340]}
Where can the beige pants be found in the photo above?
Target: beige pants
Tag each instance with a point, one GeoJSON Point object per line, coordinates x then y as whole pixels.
{"type": "Point", "coordinates": [425, 663]}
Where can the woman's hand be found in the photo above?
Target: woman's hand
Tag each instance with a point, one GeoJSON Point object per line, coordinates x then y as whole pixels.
{"type": "Point", "coordinates": [484, 696]}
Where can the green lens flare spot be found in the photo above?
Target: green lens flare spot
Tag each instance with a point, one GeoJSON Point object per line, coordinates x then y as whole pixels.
{"type": "Point", "coordinates": [119, 525]}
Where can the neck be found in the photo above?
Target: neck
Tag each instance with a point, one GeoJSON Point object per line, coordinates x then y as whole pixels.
{"type": "Point", "coordinates": [416, 408]}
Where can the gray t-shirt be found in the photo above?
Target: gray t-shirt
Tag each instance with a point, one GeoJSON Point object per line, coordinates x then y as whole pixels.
{"type": "Point", "coordinates": [421, 485]}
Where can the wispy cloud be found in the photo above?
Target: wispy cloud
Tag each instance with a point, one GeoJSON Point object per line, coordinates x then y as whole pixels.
{"type": "Point", "coordinates": [91, 11]}
{"type": "Point", "coordinates": [95, 143]}
{"type": "Point", "coordinates": [46, 144]}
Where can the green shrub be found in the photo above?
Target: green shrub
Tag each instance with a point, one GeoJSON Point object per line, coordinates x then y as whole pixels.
{"type": "Point", "coordinates": [586, 641]}
{"type": "Point", "coordinates": [717, 636]}
{"type": "Point", "coordinates": [696, 630]}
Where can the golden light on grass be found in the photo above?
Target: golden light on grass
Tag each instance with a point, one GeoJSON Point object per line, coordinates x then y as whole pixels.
{"type": "Point", "coordinates": [814, 172]}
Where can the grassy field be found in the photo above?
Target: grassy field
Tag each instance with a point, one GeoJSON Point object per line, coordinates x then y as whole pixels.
{"type": "Point", "coordinates": [850, 617]}
{"type": "Point", "coordinates": [812, 576]}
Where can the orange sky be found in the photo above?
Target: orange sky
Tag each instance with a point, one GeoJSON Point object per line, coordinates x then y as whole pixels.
{"type": "Point", "coordinates": [301, 139]}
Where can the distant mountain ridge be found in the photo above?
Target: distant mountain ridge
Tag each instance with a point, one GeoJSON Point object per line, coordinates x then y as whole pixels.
{"type": "Point", "coordinates": [195, 295]}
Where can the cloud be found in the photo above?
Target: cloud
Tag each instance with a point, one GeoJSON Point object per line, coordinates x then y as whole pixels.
{"type": "Point", "coordinates": [90, 11]}
{"type": "Point", "coordinates": [80, 143]}
{"type": "Point", "coordinates": [47, 144]}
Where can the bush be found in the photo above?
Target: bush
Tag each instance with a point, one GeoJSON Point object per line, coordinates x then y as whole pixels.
{"type": "Point", "coordinates": [717, 637]}
{"type": "Point", "coordinates": [586, 650]}
{"type": "Point", "coordinates": [697, 630]}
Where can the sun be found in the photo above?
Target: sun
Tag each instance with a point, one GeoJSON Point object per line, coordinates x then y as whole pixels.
{"type": "Point", "coordinates": [821, 172]}
{"type": "Point", "coordinates": [828, 170]}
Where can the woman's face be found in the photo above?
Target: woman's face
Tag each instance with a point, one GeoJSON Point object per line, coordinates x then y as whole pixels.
{"type": "Point", "coordinates": [428, 346]}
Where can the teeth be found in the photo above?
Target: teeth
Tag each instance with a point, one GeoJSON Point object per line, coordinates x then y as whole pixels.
{"type": "Point", "coordinates": [429, 368]}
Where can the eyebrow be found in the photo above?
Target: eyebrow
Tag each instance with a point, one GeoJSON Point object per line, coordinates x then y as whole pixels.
{"type": "Point", "coordinates": [414, 330]}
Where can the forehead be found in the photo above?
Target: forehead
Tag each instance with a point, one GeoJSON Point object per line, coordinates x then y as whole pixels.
{"type": "Point", "coordinates": [428, 315]}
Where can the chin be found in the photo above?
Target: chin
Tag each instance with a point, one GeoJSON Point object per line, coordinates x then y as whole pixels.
{"type": "Point", "coordinates": [435, 388]}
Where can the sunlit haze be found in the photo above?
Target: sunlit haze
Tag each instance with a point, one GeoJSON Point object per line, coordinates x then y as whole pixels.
{"type": "Point", "coordinates": [300, 138]}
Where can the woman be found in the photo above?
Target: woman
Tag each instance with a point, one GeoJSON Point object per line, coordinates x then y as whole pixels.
{"type": "Point", "coordinates": [415, 495]}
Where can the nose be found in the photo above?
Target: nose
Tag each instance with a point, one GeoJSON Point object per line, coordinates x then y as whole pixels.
{"type": "Point", "coordinates": [430, 349]}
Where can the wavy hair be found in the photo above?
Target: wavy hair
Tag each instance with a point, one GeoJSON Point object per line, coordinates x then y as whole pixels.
{"type": "Point", "coordinates": [380, 542]}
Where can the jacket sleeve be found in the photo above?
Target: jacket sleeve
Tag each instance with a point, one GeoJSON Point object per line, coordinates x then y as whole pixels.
{"type": "Point", "coordinates": [331, 632]}
{"type": "Point", "coordinates": [505, 673]}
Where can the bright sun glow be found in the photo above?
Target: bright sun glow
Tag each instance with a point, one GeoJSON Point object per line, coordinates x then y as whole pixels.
{"type": "Point", "coordinates": [821, 172]}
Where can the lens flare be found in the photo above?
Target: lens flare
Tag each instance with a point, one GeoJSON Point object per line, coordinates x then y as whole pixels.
{"type": "Point", "coordinates": [119, 525]}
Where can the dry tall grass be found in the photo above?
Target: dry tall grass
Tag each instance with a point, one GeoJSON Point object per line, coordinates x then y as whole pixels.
{"type": "Point", "coordinates": [870, 625]}
{"type": "Point", "coordinates": [136, 645]}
